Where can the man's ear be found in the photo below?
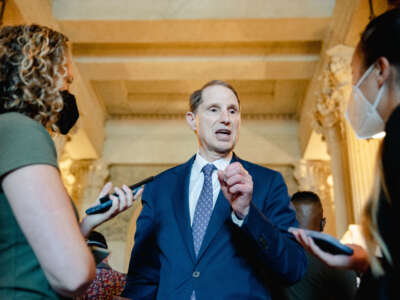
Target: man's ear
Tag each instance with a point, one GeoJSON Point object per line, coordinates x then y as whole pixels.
{"type": "Point", "coordinates": [383, 66]}
{"type": "Point", "coordinates": [191, 120]}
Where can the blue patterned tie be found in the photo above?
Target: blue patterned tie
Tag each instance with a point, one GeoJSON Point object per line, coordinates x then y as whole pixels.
{"type": "Point", "coordinates": [202, 213]}
{"type": "Point", "coordinates": [203, 209]}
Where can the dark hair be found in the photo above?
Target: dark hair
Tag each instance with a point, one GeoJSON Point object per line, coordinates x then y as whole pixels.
{"type": "Point", "coordinates": [390, 156]}
{"type": "Point", "coordinates": [305, 197]}
{"type": "Point", "coordinates": [381, 37]}
{"type": "Point", "coordinates": [381, 208]}
{"type": "Point", "coordinates": [394, 2]}
{"type": "Point", "coordinates": [195, 97]}
{"type": "Point", "coordinates": [314, 220]}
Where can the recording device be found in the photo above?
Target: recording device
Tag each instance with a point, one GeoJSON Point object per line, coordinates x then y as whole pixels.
{"type": "Point", "coordinates": [106, 202]}
{"type": "Point", "coordinates": [328, 243]}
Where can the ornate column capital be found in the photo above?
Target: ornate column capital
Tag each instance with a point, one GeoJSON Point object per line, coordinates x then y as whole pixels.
{"type": "Point", "coordinates": [335, 89]}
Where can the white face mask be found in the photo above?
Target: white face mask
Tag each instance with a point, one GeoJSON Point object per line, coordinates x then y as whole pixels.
{"type": "Point", "coordinates": [362, 115]}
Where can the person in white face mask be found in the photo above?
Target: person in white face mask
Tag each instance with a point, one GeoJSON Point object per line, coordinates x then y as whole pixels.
{"type": "Point", "coordinates": [363, 114]}
{"type": "Point", "coordinates": [373, 110]}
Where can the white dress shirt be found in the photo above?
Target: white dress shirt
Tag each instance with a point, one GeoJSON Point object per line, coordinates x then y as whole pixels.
{"type": "Point", "coordinates": [197, 180]}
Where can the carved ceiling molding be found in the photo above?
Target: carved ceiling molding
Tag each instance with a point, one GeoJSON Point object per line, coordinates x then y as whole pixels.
{"type": "Point", "coordinates": [262, 117]}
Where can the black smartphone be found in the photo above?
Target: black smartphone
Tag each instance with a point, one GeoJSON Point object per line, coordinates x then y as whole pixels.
{"type": "Point", "coordinates": [328, 243]}
{"type": "Point", "coordinates": [106, 202]}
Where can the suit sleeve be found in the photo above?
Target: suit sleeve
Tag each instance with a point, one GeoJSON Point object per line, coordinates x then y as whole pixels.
{"type": "Point", "coordinates": [144, 267]}
{"type": "Point", "coordinates": [266, 227]}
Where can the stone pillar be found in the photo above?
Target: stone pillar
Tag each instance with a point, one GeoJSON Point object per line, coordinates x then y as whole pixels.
{"type": "Point", "coordinates": [362, 166]}
{"type": "Point", "coordinates": [316, 176]}
{"type": "Point", "coordinates": [329, 121]}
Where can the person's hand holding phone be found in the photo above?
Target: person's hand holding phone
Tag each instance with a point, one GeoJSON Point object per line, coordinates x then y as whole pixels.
{"type": "Point", "coordinates": [120, 202]}
{"type": "Point", "coordinates": [358, 261]}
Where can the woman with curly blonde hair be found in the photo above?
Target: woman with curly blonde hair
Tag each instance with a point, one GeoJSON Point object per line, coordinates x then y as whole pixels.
{"type": "Point", "coordinates": [43, 254]}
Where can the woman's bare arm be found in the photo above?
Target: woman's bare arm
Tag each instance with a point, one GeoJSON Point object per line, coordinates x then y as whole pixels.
{"type": "Point", "coordinates": [120, 204]}
{"type": "Point", "coordinates": [44, 212]}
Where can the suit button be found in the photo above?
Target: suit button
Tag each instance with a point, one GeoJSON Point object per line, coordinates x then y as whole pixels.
{"type": "Point", "coordinates": [196, 274]}
{"type": "Point", "coordinates": [263, 242]}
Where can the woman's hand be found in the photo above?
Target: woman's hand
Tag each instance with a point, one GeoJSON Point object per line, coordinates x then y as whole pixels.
{"type": "Point", "coordinates": [120, 203]}
{"type": "Point", "coordinates": [357, 262]}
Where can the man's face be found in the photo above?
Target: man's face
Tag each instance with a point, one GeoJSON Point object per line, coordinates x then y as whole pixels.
{"type": "Point", "coordinates": [309, 216]}
{"type": "Point", "coordinates": [216, 120]}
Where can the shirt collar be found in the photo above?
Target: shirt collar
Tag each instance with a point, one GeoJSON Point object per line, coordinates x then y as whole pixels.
{"type": "Point", "coordinates": [220, 164]}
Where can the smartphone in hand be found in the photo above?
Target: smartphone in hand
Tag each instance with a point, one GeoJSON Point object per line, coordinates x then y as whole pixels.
{"type": "Point", "coordinates": [106, 202]}
{"type": "Point", "coordinates": [328, 243]}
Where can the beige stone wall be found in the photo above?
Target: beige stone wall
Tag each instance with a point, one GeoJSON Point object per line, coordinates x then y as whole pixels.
{"type": "Point", "coordinates": [155, 141]}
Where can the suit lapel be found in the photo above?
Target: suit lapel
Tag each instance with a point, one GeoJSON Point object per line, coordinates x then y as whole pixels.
{"type": "Point", "coordinates": [221, 212]}
{"type": "Point", "coordinates": [181, 206]}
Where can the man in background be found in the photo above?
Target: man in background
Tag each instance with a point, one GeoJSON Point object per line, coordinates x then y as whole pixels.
{"type": "Point", "coordinates": [320, 281]}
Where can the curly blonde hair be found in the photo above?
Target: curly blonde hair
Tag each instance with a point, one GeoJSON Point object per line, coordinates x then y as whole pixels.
{"type": "Point", "coordinates": [33, 69]}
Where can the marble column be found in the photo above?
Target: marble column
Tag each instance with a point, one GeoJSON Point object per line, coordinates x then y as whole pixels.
{"type": "Point", "coordinates": [363, 156]}
{"type": "Point", "coordinates": [329, 121]}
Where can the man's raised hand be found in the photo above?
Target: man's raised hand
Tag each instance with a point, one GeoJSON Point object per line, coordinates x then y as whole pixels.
{"type": "Point", "coordinates": [237, 186]}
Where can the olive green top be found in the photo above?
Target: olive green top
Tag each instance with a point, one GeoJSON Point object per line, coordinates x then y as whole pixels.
{"type": "Point", "coordinates": [23, 142]}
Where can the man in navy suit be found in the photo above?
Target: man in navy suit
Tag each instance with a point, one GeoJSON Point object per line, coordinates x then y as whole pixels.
{"type": "Point", "coordinates": [215, 226]}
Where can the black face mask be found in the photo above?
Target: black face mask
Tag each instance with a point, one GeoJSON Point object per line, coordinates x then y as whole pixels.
{"type": "Point", "coordinates": [69, 114]}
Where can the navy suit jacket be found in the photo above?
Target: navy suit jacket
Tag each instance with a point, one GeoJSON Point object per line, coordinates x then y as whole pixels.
{"type": "Point", "coordinates": [233, 262]}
